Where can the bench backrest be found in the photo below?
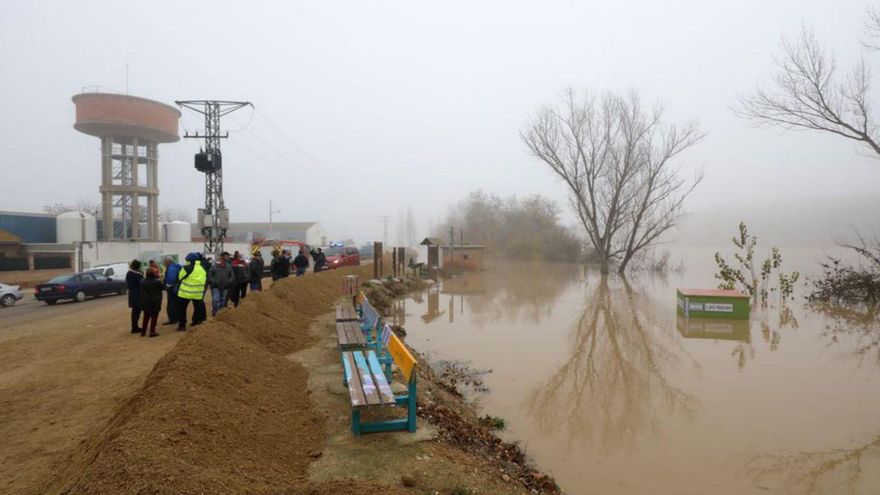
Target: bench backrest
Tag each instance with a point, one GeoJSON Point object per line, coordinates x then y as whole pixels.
{"type": "Point", "coordinates": [371, 316]}
{"type": "Point", "coordinates": [386, 335]}
{"type": "Point", "coordinates": [405, 361]}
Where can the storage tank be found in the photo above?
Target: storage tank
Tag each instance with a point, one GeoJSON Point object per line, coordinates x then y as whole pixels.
{"type": "Point", "coordinates": [178, 231]}
{"type": "Point", "coordinates": [76, 226]}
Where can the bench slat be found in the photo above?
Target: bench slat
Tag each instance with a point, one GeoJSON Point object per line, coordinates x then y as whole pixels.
{"type": "Point", "coordinates": [385, 392]}
{"type": "Point", "coordinates": [355, 389]}
{"type": "Point", "coordinates": [349, 335]}
{"type": "Point", "coordinates": [346, 312]}
{"type": "Point", "coordinates": [371, 391]}
{"type": "Point", "coordinates": [355, 334]}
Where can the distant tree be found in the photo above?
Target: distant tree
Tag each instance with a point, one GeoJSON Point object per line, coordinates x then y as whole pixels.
{"type": "Point", "coordinates": [522, 229]}
{"type": "Point", "coordinates": [809, 94]}
{"type": "Point", "coordinates": [82, 205]}
{"type": "Point", "coordinates": [172, 214]}
{"type": "Point", "coordinates": [616, 160]}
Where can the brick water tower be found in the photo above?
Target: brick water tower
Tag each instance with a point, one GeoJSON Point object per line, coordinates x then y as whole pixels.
{"type": "Point", "coordinates": [130, 129]}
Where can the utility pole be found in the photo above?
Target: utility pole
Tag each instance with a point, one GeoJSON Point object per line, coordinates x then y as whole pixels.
{"type": "Point", "coordinates": [451, 247]}
{"type": "Point", "coordinates": [385, 229]}
{"type": "Point", "coordinates": [271, 211]}
{"type": "Point", "coordinates": [214, 217]}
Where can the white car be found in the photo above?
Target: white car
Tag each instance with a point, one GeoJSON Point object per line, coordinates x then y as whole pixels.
{"type": "Point", "coordinates": [116, 271]}
{"type": "Point", "coordinates": [9, 294]}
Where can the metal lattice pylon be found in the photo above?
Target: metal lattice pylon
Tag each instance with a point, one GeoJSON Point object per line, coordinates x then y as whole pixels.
{"type": "Point", "coordinates": [214, 229]}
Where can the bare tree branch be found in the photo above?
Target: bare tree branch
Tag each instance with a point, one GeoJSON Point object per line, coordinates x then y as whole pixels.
{"type": "Point", "coordinates": [808, 95]}
{"type": "Point", "coordinates": [616, 159]}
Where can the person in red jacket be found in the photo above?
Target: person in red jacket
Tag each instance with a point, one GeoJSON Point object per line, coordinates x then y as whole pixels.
{"type": "Point", "coordinates": [240, 269]}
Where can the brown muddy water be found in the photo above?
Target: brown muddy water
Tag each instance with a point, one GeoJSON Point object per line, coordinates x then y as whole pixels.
{"type": "Point", "coordinates": [610, 392]}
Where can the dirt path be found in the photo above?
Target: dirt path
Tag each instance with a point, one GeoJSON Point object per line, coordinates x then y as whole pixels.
{"type": "Point", "coordinates": [61, 379]}
{"type": "Point", "coordinates": [430, 465]}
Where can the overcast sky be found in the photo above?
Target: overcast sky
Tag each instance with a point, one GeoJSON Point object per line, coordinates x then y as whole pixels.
{"type": "Point", "coordinates": [367, 108]}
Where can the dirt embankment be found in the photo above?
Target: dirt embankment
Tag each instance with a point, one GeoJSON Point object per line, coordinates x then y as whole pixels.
{"type": "Point", "coordinates": [223, 412]}
{"type": "Point", "coordinates": [226, 412]}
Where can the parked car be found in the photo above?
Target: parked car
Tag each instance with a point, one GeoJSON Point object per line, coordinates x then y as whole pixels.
{"type": "Point", "coordinates": [77, 286]}
{"type": "Point", "coordinates": [9, 294]}
{"type": "Point", "coordinates": [338, 256]}
{"type": "Point", "coordinates": [116, 271]}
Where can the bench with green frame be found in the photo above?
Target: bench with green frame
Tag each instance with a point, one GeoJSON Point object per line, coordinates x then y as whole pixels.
{"type": "Point", "coordinates": [368, 387]}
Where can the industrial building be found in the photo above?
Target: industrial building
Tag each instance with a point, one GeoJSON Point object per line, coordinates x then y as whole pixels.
{"type": "Point", "coordinates": [310, 233]}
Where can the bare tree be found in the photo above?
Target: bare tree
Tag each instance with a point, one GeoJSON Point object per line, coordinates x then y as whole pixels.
{"type": "Point", "coordinates": [172, 214]}
{"type": "Point", "coordinates": [809, 94]}
{"type": "Point", "coordinates": [81, 205]}
{"type": "Point", "coordinates": [616, 159]}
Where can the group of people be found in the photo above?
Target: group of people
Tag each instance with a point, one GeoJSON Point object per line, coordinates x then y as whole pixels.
{"type": "Point", "coordinates": [228, 279]}
{"type": "Point", "coordinates": [283, 266]}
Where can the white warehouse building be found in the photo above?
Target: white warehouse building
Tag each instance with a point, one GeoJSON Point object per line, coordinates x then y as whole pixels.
{"type": "Point", "coordinates": [245, 232]}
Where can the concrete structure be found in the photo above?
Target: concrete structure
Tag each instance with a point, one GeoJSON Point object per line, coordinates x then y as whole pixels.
{"type": "Point", "coordinates": [103, 253]}
{"type": "Point", "coordinates": [310, 233]}
{"type": "Point", "coordinates": [130, 129]}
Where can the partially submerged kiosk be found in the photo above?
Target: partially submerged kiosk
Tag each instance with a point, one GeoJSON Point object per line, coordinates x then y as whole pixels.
{"type": "Point", "coordinates": [713, 303]}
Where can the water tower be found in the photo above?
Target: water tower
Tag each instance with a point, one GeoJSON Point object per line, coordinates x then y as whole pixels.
{"type": "Point", "coordinates": [130, 129]}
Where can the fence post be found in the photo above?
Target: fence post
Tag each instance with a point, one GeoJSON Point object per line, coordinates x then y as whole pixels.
{"type": "Point", "coordinates": [377, 260]}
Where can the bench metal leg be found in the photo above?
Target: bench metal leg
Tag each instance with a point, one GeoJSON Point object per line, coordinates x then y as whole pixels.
{"type": "Point", "coordinates": [411, 405]}
{"type": "Point", "coordinates": [356, 422]}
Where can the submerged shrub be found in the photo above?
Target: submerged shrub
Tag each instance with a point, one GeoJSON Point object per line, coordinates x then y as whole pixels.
{"type": "Point", "coordinates": [753, 279]}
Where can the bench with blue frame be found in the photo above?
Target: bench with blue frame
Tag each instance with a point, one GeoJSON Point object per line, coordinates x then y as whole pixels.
{"type": "Point", "coordinates": [368, 386]}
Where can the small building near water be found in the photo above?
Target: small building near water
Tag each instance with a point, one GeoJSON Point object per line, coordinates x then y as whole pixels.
{"type": "Point", "coordinates": [465, 257]}
{"type": "Point", "coordinates": [713, 303]}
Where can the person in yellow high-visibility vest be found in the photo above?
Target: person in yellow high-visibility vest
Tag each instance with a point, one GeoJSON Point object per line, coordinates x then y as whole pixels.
{"type": "Point", "coordinates": [192, 279]}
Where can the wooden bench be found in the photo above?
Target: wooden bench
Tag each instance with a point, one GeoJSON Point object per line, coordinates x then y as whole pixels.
{"type": "Point", "coordinates": [368, 386]}
{"type": "Point", "coordinates": [345, 312]}
{"type": "Point", "coordinates": [349, 335]}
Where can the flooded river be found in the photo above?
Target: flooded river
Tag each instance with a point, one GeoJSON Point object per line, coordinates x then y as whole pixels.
{"type": "Point", "coordinates": [609, 391]}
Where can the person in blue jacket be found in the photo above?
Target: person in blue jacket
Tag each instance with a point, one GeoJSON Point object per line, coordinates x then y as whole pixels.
{"type": "Point", "coordinates": [172, 269]}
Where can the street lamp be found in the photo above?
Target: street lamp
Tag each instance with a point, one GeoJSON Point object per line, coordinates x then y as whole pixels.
{"type": "Point", "coordinates": [271, 211]}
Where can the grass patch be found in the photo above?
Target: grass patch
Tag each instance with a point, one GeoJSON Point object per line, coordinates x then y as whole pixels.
{"type": "Point", "coordinates": [493, 422]}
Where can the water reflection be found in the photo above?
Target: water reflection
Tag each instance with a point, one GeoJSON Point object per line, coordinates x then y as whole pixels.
{"type": "Point", "coordinates": [859, 325]}
{"type": "Point", "coordinates": [713, 328]}
{"type": "Point", "coordinates": [521, 291]}
{"type": "Point", "coordinates": [612, 386]}
{"type": "Point", "coordinates": [828, 471]}
{"type": "Point", "coordinates": [770, 334]}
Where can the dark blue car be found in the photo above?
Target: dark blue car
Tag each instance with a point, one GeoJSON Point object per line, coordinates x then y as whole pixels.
{"type": "Point", "coordinates": [77, 286]}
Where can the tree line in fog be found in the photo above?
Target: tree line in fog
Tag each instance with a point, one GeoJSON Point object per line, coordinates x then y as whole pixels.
{"type": "Point", "coordinates": [526, 228]}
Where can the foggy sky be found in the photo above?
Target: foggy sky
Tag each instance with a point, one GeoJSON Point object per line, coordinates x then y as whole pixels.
{"type": "Point", "coordinates": [366, 108]}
